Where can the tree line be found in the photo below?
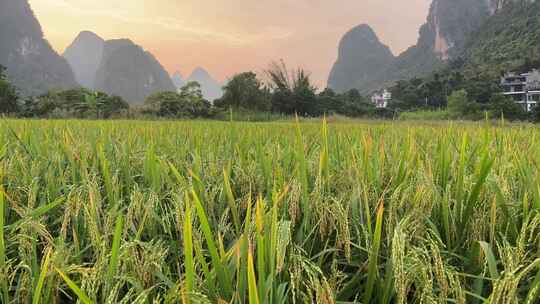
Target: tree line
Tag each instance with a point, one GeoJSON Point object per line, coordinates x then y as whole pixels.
{"type": "Point", "coordinates": [285, 92]}
{"type": "Point", "coordinates": [458, 96]}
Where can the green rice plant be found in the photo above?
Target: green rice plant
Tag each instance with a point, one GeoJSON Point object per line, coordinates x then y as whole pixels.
{"type": "Point", "coordinates": [374, 256]}
{"type": "Point", "coordinates": [252, 281]}
{"type": "Point", "coordinates": [3, 268]}
{"type": "Point", "coordinates": [231, 201]}
{"type": "Point", "coordinates": [221, 270]}
{"type": "Point", "coordinates": [115, 251]}
{"type": "Point", "coordinates": [490, 258]}
{"type": "Point", "coordinates": [189, 264]}
{"type": "Point", "coordinates": [280, 212]}
{"type": "Point", "coordinates": [76, 289]}
{"type": "Point", "coordinates": [41, 281]}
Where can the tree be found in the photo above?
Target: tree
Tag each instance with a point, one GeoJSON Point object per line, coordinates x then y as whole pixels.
{"type": "Point", "coordinates": [329, 102]}
{"type": "Point", "coordinates": [8, 95]}
{"type": "Point", "coordinates": [459, 104]}
{"type": "Point", "coordinates": [188, 103]}
{"type": "Point", "coordinates": [245, 91]}
{"type": "Point", "coordinates": [535, 114]}
{"type": "Point", "coordinates": [165, 104]}
{"type": "Point", "coordinates": [304, 95]}
{"type": "Point", "coordinates": [91, 104]}
{"type": "Point", "coordinates": [504, 106]}
{"type": "Point", "coordinates": [114, 105]}
{"type": "Point", "coordinates": [192, 96]}
{"type": "Point", "coordinates": [292, 92]}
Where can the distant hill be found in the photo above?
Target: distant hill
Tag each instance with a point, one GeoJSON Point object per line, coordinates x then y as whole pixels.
{"type": "Point", "coordinates": [32, 65]}
{"type": "Point", "coordinates": [509, 40]}
{"type": "Point", "coordinates": [126, 70]}
{"type": "Point", "coordinates": [361, 56]}
{"type": "Point", "coordinates": [117, 67]}
{"type": "Point", "coordinates": [84, 56]}
{"type": "Point", "coordinates": [178, 80]}
{"type": "Point", "coordinates": [441, 38]}
{"type": "Point", "coordinates": [211, 88]}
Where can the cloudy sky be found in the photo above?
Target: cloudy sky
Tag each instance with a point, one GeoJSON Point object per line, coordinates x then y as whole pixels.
{"type": "Point", "coordinates": [228, 36]}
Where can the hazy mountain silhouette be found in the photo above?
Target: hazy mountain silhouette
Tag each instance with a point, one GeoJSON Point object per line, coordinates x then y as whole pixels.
{"type": "Point", "coordinates": [178, 79]}
{"type": "Point", "coordinates": [84, 56]}
{"type": "Point", "coordinates": [448, 25]}
{"type": "Point", "coordinates": [126, 70]}
{"type": "Point", "coordinates": [32, 65]}
{"type": "Point", "coordinates": [211, 88]}
{"type": "Point", "coordinates": [361, 55]}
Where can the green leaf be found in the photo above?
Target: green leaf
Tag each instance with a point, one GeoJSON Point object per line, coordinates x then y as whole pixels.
{"type": "Point", "coordinates": [78, 292]}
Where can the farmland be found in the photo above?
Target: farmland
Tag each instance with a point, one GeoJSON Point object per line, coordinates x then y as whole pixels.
{"type": "Point", "coordinates": [284, 212]}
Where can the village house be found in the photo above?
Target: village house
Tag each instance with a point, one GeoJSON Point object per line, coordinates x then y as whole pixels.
{"type": "Point", "coordinates": [524, 88]}
{"type": "Point", "coordinates": [381, 100]}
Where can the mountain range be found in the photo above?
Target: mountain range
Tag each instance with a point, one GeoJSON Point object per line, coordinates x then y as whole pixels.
{"type": "Point", "coordinates": [479, 37]}
{"type": "Point", "coordinates": [84, 56]}
{"type": "Point", "coordinates": [117, 67]}
{"type": "Point", "coordinates": [32, 65]}
{"type": "Point", "coordinates": [211, 88]}
{"type": "Point", "coordinates": [364, 62]}
{"type": "Point", "coordinates": [120, 67]}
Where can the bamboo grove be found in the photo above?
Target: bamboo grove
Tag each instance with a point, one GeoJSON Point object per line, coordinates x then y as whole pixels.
{"type": "Point", "coordinates": [283, 212]}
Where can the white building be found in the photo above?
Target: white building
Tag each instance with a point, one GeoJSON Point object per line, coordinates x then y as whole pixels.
{"type": "Point", "coordinates": [381, 100]}
{"type": "Point", "coordinates": [524, 88]}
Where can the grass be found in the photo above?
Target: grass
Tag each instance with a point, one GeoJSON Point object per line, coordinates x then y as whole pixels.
{"type": "Point", "coordinates": [283, 212]}
{"type": "Point", "coordinates": [427, 115]}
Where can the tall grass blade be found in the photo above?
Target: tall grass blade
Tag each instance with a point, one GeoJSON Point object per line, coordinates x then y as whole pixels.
{"type": "Point", "coordinates": [231, 201]}
{"type": "Point", "coordinates": [115, 249]}
{"type": "Point", "coordinates": [3, 268]}
{"type": "Point", "coordinates": [223, 277]}
{"type": "Point", "coordinates": [252, 282]}
{"type": "Point", "coordinates": [78, 292]}
{"type": "Point", "coordinates": [490, 259]}
{"type": "Point", "coordinates": [44, 270]}
{"type": "Point", "coordinates": [189, 265]}
{"type": "Point", "coordinates": [374, 256]}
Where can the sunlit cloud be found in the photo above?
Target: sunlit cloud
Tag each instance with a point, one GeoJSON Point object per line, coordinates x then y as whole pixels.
{"type": "Point", "coordinates": [230, 36]}
{"type": "Point", "coordinates": [188, 32]}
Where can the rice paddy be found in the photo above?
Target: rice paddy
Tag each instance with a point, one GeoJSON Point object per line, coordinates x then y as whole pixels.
{"type": "Point", "coordinates": [231, 212]}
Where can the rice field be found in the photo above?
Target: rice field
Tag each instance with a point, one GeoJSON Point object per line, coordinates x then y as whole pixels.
{"type": "Point", "coordinates": [230, 212]}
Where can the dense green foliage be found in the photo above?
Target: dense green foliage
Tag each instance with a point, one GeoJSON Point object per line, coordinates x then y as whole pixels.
{"type": "Point", "coordinates": [8, 95]}
{"type": "Point", "coordinates": [188, 103]}
{"type": "Point", "coordinates": [202, 212]}
{"type": "Point", "coordinates": [507, 41]}
{"type": "Point", "coordinates": [459, 103]}
{"type": "Point", "coordinates": [366, 64]}
{"type": "Point", "coordinates": [433, 92]}
{"type": "Point", "coordinates": [75, 103]}
{"type": "Point", "coordinates": [293, 93]}
{"type": "Point", "coordinates": [505, 107]}
{"type": "Point", "coordinates": [245, 91]}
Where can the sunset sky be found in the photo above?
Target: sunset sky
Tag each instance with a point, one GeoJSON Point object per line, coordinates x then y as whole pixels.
{"type": "Point", "coordinates": [228, 36]}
